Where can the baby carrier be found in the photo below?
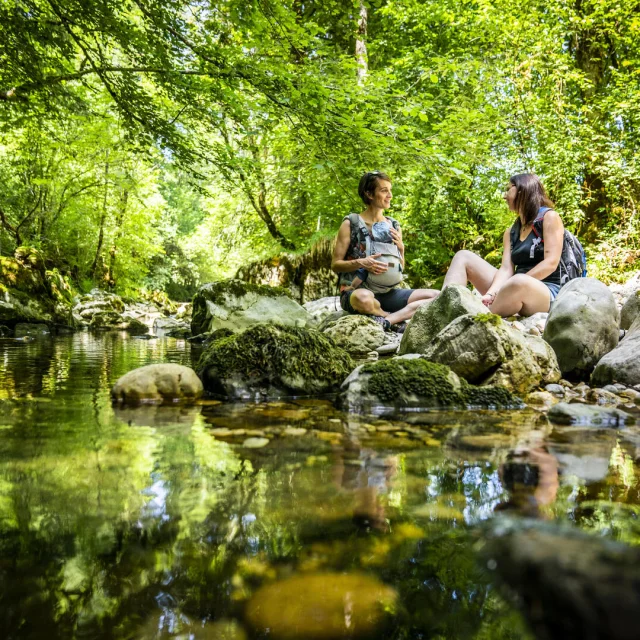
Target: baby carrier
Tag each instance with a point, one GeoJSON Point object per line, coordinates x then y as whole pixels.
{"type": "Point", "coordinates": [378, 241]}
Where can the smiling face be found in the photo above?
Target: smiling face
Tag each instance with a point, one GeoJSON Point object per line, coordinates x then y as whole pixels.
{"type": "Point", "coordinates": [510, 196]}
{"type": "Point", "coordinates": [381, 197]}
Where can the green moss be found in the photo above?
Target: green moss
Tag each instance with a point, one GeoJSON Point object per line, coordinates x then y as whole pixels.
{"type": "Point", "coordinates": [488, 318]}
{"type": "Point", "coordinates": [417, 376]}
{"type": "Point", "coordinates": [214, 291]}
{"type": "Point", "coordinates": [432, 383]}
{"type": "Point", "coordinates": [489, 397]}
{"type": "Point", "coordinates": [272, 353]}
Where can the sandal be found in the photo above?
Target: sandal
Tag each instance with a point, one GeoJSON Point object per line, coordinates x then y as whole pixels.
{"type": "Point", "coordinates": [383, 322]}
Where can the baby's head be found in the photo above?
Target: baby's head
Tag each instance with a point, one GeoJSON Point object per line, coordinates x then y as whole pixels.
{"type": "Point", "coordinates": [381, 232]}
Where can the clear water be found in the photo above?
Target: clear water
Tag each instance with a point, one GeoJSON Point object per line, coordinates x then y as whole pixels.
{"type": "Point", "coordinates": [158, 522]}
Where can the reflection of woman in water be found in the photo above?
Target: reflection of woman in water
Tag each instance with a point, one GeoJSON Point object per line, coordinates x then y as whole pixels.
{"type": "Point", "coordinates": [531, 477]}
{"type": "Point", "coordinates": [367, 475]}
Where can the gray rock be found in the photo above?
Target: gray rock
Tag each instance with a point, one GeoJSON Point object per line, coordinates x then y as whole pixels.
{"type": "Point", "coordinates": [135, 327]}
{"type": "Point", "coordinates": [571, 584]}
{"type": "Point", "coordinates": [107, 320]}
{"type": "Point", "coordinates": [331, 318]}
{"type": "Point", "coordinates": [483, 349]}
{"type": "Point", "coordinates": [582, 326]}
{"type": "Point", "coordinates": [237, 305]}
{"type": "Point", "coordinates": [602, 397]}
{"type": "Point", "coordinates": [431, 318]}
{"type": "Point", "coordinates": [23, 329]}
{"type": "Point", "coordinates": [588, 415]}
{"type": "Point", "coordinates": [157, 383]}
{"type": "Point", "coordinates": [537, 321]}
{"type": "Point", "coordinates": [171, 327]}
{"type": "Point", "coordinates": [319, 309]}
{"type": "Point", "coordinates": [623, 363]}
{"type": "Point", "coordinates": [556, 389]}
{"type": "Point", "coordinates": [358, 335]}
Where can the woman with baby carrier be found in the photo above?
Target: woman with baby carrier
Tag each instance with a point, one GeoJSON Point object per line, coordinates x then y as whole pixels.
{"type": "Point", "coordinates": [530, 275]}
{"type": "Point", "coordinates": [369, 256]}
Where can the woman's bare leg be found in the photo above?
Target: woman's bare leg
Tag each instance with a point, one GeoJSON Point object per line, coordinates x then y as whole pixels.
{"type": "Point", "coordinates": [467, 266]}
{"type": "Point", "coordinates": [521, 294]}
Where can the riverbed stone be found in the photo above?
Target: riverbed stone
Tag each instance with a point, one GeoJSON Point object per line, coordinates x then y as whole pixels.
{"type": "Point", "coordinates": [630, 310]}
{"type": "Point", "coordinates": [324, 606]}
{"type": "Point", "coordinates": [582, 326]}
{"type": "Point", "coordinates": [237, 305]}
{"type": "Point", "coordinates": [415, 382]}
{"type": "Point", "coordinates": [602, 397]}
{"type": "Point", "coordinates": [483, 349]}
{"type": "Point", "coordinates": [270, 361]}
{"type": "Point", "coordinates": [357, 334]}
{"type": "Point", "coordinates": [158, 383]}
{"type": "Point", "coordinates": [23, 329]}
{"type": "Point", "coordinates": [136, 327]}
{"type": "Point", "coordinates": [570, 584]}
{"type": "Point", "coordinates": [575, 413]}
{"type": "Point", "coordinates": [622, 364]}
{"type": "Point", "coordinates": [454, 301]}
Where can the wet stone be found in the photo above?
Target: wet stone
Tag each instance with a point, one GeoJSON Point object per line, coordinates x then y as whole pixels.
{"type": "Point", "coordinates": [602, 397]}
{"type": "Point", "coordinates": [585, 415]}
{"type": "Point", "coordinates": [556, 389]}
{"type": "Point", "coordinates": [313, 607]}
{"type": "Point", "coordinates": [255, 443]}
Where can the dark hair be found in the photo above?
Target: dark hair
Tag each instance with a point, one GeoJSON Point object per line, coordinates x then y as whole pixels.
{"type": "Point", "coordinates": [530, 196]}
{"type": "Point", "coordinates": [368, 184]}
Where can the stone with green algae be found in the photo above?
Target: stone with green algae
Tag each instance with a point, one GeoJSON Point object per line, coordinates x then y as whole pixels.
{"type": "Point", "coordinates": [269, 361]}
{"type": "Point", "coordinates": [324, 606]}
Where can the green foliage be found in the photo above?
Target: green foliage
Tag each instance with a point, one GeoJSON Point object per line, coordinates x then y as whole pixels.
{"type": "Point", "coordinates": [168, 144]}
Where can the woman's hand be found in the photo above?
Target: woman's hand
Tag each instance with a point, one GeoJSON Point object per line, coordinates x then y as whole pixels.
{"type": "Point", "coordinates": [397, 240]}
{"type": "Point", "coordinates": [488, 298]}
{"type": "Point", "coordinates": [372, 265]}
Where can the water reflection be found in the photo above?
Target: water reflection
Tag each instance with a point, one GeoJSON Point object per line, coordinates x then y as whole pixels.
{"type": "Point", "coordinates": [157, 522]}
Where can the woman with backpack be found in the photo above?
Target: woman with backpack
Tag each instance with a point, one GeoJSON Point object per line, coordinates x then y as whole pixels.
{"type": "Point", "coordinates": [529, 277]}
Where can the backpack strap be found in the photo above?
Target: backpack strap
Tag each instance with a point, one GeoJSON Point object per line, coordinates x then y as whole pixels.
{"type": "Point", "coordinates": [536, 227]}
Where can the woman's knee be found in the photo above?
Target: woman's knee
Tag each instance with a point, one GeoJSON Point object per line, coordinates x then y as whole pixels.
{"type": "Point", "coordinates": [464, 256]}
{"type": "Point", "coordinates": [362, 299]}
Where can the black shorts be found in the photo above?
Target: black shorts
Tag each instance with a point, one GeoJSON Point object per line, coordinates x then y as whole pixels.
{"type": "Point", "coordinates": [390, 301]}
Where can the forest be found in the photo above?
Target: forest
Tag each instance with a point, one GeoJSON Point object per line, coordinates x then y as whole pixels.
{"type": "Point", "coordinates": [158, 145]}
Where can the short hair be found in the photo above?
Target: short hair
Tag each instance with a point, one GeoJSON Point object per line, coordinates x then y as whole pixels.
{"type": "Point", "coordinates": [368, 184]}
{"type": "Point", "coordinates": [530, 195]}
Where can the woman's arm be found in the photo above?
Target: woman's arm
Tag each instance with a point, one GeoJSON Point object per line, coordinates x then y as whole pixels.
{"type": "Point", "coordinates": [340, 265]}
{"type": "Point", "coordinates": [553, 233]}
{"type": "Point", "coordinates": [504, 272]}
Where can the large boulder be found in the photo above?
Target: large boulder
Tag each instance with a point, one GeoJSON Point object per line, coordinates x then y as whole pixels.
{"type": "Point", "coordinates": [622, 364]}
{"type": "Point", "coordinates": [323, 606]}
{"type": "Point", "coordinates": [270, 361]}
{"type": "Point", "coordinates": [454, 301]}
{"type": "Point", "coordinates": [99, 310]}
{"type": "Point", "coordinates": [483, 349]}
{"type": "Point", "coordinates": [570, 584]}
{"type": "Point", "coordinates": [630, 310]}
{"type": "Point", "coordinates": [157, 384]}
{"type": "Point", "coordinates": [321, 308]}
{"type": "Point", "coordinates": [237, 305]}
{"type": "Point", "coordinates": [414, 382]}
{"type": "Point", "coordinates": [582, 326]}
{"type": "Point", "coordinates": [357, 334]}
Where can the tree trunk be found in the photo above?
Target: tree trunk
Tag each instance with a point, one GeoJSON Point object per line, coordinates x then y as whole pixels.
{"type": "Point", "coordinates": [103, 217]}
{"type": "Point", "coordinates": [113, 252]}
{"type": "Point", "coordinates": [361, 45]}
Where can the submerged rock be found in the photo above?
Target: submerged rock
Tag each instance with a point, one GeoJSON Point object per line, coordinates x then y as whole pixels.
{"type": "Point", "coordinates": [157, 383]}
{"type": "Point", "coordinates": [583, 414]}
{"type": "Point", "coordinates": [357, 334]}
{"type": "Point", "coordinates": [415, 382]}
{"type": "Point", "coordinates": [236, 305]}
{"type": "Point", "coordinates": [326, 606]}
{"type": "Point", "coordinates": [582, 326]}
{"type": "Point", "coordinates": [23, 329]}
{"type": "Point", "coordinates": [570, 584]}
{"type": "Point", "coordinates": [454, 301]}
{"type": "Point", "coordinates": [269, 361]}
{"type": "Point", "coordinates": [622, 364]}
{"type": "Point", "coordinates": [483, 349]}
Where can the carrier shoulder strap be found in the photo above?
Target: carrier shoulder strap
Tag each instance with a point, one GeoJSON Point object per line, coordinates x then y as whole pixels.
{"type": "Point", "coordinates": [356, 221]}
{"type": "Point", "coordinates": [538, 221]}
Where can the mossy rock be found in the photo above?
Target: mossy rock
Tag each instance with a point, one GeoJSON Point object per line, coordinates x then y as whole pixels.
{"type": "Point", "coordinates": [269, 361]}
{"type": "Point", "coordinates": [106, 320]}
{"type": "Point", "coordinates": [137, 328]}
{"type": "Point", "coordinates": [414, 382]}
{"type": "Point", "coordinates": [313, 607]}
{"type": "Point", "coordinates": [357, 334]}
{"type": "Point", "coordinates": [237, 305]}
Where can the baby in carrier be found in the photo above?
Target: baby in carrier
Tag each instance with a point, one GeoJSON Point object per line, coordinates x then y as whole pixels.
{"type": "Point", "coordinates": [380, 233]}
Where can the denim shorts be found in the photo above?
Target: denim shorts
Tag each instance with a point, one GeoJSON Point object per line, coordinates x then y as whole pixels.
{"type": "Point", "coordinates": [554, 289]}
{"type": "Point", "coordinates": [390, 301]}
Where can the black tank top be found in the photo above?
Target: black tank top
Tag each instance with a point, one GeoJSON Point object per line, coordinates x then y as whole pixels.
{"type": "Point", "coordinates": [527, 253]}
